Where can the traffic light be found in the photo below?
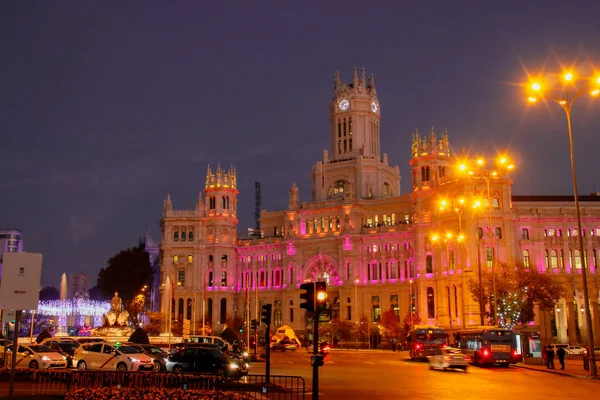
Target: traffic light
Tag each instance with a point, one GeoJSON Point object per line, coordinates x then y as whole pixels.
{"type": "Point", "coordinates": [317, 360]}
{"type": "Point", "coordinates": [265, 314]}
{"type": "Point", "coordinates": [254, 324]}
{"type": "Point", "coordinates": [309, 296]}
{"type": "Point", "coordinates": [241, 328]}
{"type": "Point", "coordinates": [321, 297]}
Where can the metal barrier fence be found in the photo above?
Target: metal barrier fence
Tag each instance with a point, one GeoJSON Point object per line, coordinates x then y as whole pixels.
{"type": "Point", "coordinates": [61, 382]}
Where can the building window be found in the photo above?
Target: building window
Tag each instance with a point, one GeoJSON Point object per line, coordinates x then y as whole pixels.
{"type": "Point", "coordinates": [183, 235]}
{"type": "Point", "coordinates": [223, 311]}
{"type": "Point", "coordinates": [223, 278]}
{"type": "Point", "coordinates": [386, 190]}
{"type": "Point", "coordinates": [277, 277]}
{"type": "Point", "coordinates": [489, 254]}
{"type": "Point", "coordinates": [210, 258]}
{"type": "Point", "coordinates": [375, 310]}
{"type": "Point", "coordinates": [176, 235]}
{"type": "Point", "coordinates": [430, 303]}
{"type": "Point", "coordinates": [499, 233]}
{"type": "Point", "coordinates": [455, 301]}
{"type": "Point", "coordinates": [191, 236]}
{"type": "Point", "coordinates": [526, 258]}
{"type": "Point", "coordinates": [429, 264]}
{"type": "Point", "coordinates": [262, 278]}
{"type": "Point", "coordinates": [553, 259]}
{"type": "Point", "coordinates": [394, 305]}
{"type": "Point", "coordinates": [277, 316]}
{"type": "Point", "coordinates": [210, 278]}
{"type": "Point", "coordinates": [575, 259]}
{"type": "Point", "coordinates": [479, 232]}
{"type": "Point", "coordinates": [562, 259]}
{"type": "Point", "coordinates": [338, 187]}
{"type": "Point", "coordinates": [496, 202]}
{"type": "Point", "coordinates": [546, 259]}
{"type": "Point", "coordinates": [212, 203]}
{"type": "Point", "coordinates": [190, 259]}
{"type": "Point", "coordinates": [175, 259]}
{"type": "Point", "coordinates": [524, 234]}
{"type": "Point", "coordinates": [181, 278]}
{"type": "Point", "coordinates": [452, 260]}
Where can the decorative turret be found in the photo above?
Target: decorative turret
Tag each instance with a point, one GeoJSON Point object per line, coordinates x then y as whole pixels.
{"type": "Point", "coordinates": [221, 178]}
{"type": "Point", "coordinates": [294, 197]}
{"type": "Point", "coordinates": [167, 205]}
{"type": "Point", "coordinates": [423, 146]}
{"type": "Point", "coordinates": [430, 160]}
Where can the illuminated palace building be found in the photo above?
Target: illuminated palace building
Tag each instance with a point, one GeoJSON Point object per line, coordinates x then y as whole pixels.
{"type": "Point", "coordinates": [377, 248]}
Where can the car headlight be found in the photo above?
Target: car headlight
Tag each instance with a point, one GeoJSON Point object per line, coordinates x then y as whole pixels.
{"type": "Point", "coordinates": [245, 354]}
{"type": "Point", "coordinates": [132, 359]}
{"type": "Point", "coordinates": [233, 366]}
{"type": "Point", "coordinates": [46, 358]}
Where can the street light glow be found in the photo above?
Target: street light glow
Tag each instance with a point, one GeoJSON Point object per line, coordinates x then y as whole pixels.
{"type": "Point", "coordinates": [480, 161]}
{"type": "Point", "coordinates": [532, 99]}
{"type": "Point", "coordinates": [462, 167]}
{"type": "Point", "coordinates": [502, 160]}
{"type": "Point", "coordinates": [595, 92]}
{"type": "Point", "coordinates": [536, 86]}
{"type": "Point", "coordinates": [434, 238]}
{"type": "Point", "coordinates": [568, 76]}
{"type": "Point", "coordinates": [461, 200]}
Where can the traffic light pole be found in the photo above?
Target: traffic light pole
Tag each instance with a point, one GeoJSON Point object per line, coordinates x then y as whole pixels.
{"type": "Point", "coordinates": [315, 377]}
{"type": "Point", "coordinates": [268, 355]}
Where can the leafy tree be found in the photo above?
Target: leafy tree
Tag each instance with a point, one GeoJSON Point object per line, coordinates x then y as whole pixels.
{"type": "Point", "coordinates": [344, 329]}
{"type": "Point", "coordinates": [153, 328]}
{"type": "Point", "coordinates": [135, 308]}
{"type": "Point", "coordinates": [519, 290]}
{"type": "Point", "coordinates": [389, 327]}
{"type": "Point", "coordinates": [362, 328]}
{"type": "Point", "coordinates": [49, 293]}
{"type": "Point", "coordinates": [127, 272]}
{"type": "Point", "coordinates": [408, 322]}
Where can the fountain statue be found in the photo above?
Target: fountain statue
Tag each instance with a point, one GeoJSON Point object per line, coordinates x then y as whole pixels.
{"type": "Point", "coordinates": [115, 322]}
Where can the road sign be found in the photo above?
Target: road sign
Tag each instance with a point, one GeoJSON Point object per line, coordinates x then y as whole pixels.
{"type": "Point", "coordinates": [21, 276]}
{"type": "Point", "coordinates": [9, 316]}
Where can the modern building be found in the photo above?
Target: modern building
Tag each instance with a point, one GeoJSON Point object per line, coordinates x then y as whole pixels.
{"type": "Point", "coordinates": [78, 286]}
{"type": "Point", "coordinates": [10, 241]}
{"type": "Point", "coordinates": [377, 249]}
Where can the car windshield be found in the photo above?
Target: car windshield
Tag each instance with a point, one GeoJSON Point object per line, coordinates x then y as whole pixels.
{"type": "Point", "coordinates": [130, 350]}
{"type": "Point", "coordinates": [155, 350]}
{"type": "Point", "coordinates": [68, 346]}
{"type": "Point", "coordinates": [217, 354]}
{"type": "Point", "coordinates": [40, 349]}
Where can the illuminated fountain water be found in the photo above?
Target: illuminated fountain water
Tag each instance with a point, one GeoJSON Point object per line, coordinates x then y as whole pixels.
{"type": "Point", "coordinates": [63, 287]}
{"type": "Point", "coordinates": [62, 317]}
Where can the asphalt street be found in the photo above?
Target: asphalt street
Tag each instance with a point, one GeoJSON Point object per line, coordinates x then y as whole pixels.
{"type": "Point", "coordinates": [387, 375]}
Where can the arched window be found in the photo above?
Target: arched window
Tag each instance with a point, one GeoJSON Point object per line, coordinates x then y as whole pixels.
{"type": "Point", "coordinates": [499, 233]}
{"type": "Point", "coordinates": [429, 264]}
{"type": "Point", "coordinates": [223, 314]}
{"type": "Point", "coordinates": [385, 192]}
{"type": "Point", "coordinates": [524, 234]}
{"type": "Point", "coordinates": [430, 303]}
{"type": "Point", "coordinates": [189, 309]}
{"type": "Point", "coordinates": [180, 310]}
{"type": "Point", "coordinates": [339, 186]}
{"type": "Point", "coordinates": [526, 258]}
{"type": "Point", "coordinates": [480, 232]}
{"type": "Point", "coordinates": [209, 311]}
{"type": "Point", "coordinates": [263, 278]}
{"type": "Point", "coordinates": [224, 261]}
{"type": "Point", "coordinates": [210, 258]}
{"type": "Point", "coordinates": [496, 202]}
{"type": "Point", "coordinates": [546, 259]}
{"type": "Point", "coordinates": [191, 236]}
{"type": "Point", "coordinates": [176, 235]}
{"type": "Point", "coordinates": [210, 278]}
{"type": "Point", "coordinates": [223, 278]}
{"type": "Point", "coordinates": [575, 259]}
{"type": "Point", "coordinates": [183, 235]}
{"type": "Point", "coordinates": [291, 275]}
{"type": "Point", "coordinates": [553, 259]}
{"type": "Point", "coordinates": [562, 259]}
{"type": "Point", "coordinates": [452, 260]}
{"type": "Point", "coordinates": [277, 317]}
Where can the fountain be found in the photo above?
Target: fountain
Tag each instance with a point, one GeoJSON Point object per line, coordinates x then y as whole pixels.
{"type": "Point", "coordinates": [115, 322]}
{"type": "Point", "coordinates": [62, 319]}
{"type": "Point", "coordinates": [166, 306]}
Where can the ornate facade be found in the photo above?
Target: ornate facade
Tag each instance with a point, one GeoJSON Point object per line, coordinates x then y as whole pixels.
{"type": "Point", "coordinates": [372, 244]}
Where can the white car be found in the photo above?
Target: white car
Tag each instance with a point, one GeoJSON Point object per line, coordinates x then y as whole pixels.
{"type": "Point", "coordinates": [575, 350]}
{"type": "Point", "coordinates": [108, 357]}
{"type": "Point", "coordinates": [449, 358]}
{"type": "Point", "coordinates": [36, 356]}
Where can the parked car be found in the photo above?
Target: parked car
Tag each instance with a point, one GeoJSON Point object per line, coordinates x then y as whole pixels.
{"type": "Point", "coordinates": [36, 356]}
{"type": "Point", "coordinates": [105, 356]}
{"type": "Point", "coordinates": [204, 359]}
{"type": "Point", "coordinates": [64, 347]}
{"type": "Point", "coordinates": [157, 354]}
{"type": "Point", "coordinates": [449, 358]}
{"type": "Point", "coordinates": [575, 350]}
{"type": "Point", "coordinates": [556, 346]}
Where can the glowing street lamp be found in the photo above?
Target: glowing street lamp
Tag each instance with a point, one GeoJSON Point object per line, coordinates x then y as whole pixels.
{"type": "Point", "coordinates": [565, 95]}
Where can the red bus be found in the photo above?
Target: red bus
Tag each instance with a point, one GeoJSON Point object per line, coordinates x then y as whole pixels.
{"type": "Point", "coordinates": [425, 340]}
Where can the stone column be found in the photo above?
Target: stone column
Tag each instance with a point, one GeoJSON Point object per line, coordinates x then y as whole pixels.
{"type": "Point", "coordinates": [595, 316]}
{"type": "Point", "coordinates": [571, 328]}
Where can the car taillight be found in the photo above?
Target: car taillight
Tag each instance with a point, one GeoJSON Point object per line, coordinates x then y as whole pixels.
{"type": "Point", "coordinates": [514, 353]}
{"type": "Point", "coordinates": [467, 358]}
{"type": "Point", "coordinates": [326, 348]}
{"type": "Point", "coordinates": [418, 346]}
{"type": "Point", "coordinates": [486, 352]}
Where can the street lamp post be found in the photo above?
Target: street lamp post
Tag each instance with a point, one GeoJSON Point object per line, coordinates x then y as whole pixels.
{"type": "Point", "coordinates": [566, 100]}
{"type": "Point", "coordinates": [487, 175]}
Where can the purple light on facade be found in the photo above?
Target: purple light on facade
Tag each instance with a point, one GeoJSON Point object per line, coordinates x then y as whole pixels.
{"type": "Point", "coordinates": [428, 275]}
{"type": "Point", "coordinates": [291, 250]}
{"type": "Point", "coordinates": [347, 244]}
{"type": "Point", "coordinates": [303, 228]}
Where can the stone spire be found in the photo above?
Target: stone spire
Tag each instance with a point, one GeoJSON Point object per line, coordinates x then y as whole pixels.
{"type": "Point", "coordinates": [355, 77]}
{"type": "Point", "coordinates": [167, 205]}
{"type": "Point", "coordinates": [362, 77]}
{"type": "Point", "coordinates": [372, 83]}
{"type": "Point", "coordinates": [432, 139]}
{"type": "Point", "coordinates": [336, 81]}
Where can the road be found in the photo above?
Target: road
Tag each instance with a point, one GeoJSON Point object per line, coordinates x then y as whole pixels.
{"type": "Point", "coordinates": [387, 375]}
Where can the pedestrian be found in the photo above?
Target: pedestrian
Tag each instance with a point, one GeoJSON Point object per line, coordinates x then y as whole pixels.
{"type": "Point", "coordinates": [394, 345]}
{"type": "Point", "coordinates": [560, 353]}
{"type": "Point", "coordinates": [549, 357]}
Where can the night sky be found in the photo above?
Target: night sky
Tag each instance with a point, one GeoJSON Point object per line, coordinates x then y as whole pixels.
{"type": "Point", "coordinates": [107, 106]}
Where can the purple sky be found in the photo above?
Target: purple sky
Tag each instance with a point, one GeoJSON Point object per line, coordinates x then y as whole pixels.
{"type": "Point", "coordinates": [106, 107]}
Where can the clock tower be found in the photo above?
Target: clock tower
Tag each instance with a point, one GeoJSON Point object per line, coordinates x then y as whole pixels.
{"type": "Point", "coordinates": [356, 168]}
{"type": "Point", "coordinates": [354, 115]}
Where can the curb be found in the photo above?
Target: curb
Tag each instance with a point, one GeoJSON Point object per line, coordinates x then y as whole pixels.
{"type": "Point", "coordinates": [550, 371]}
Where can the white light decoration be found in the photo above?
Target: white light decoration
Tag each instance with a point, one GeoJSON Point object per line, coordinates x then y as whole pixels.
{"type": "Point", "coordinates": [79, 307]}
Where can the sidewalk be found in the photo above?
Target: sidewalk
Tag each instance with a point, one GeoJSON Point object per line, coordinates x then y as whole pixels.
{"type": "Point", "coordinates": [573, 368]}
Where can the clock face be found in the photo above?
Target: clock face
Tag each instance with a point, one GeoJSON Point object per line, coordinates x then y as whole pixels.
{"type": "Point", "coordinates": [374, 107]}
{"type": "Point", "coordinates": [344, 105]}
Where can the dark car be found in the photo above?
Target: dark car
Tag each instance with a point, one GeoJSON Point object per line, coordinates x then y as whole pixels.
{"type": "Point", "coordinates": [157, 354]}
{"type": "Point", "coordinates": [64, 347]}
{"type": "Point", "coordinates": [204, 359]}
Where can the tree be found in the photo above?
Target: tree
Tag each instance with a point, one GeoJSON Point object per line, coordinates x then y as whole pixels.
{"type": "Point", "coordinates": [135, 308]}
{"type": "Point", "coordinates": [153, 328]}
{"type": "Point", "coordinates": [127, 272]}
{"type": "Point", "coordinates": [49, 293]}
{"type": "Point", "coordinates": [519, 290]}
{"type": "Point", "coordinates": [389, 327]}
{"type": "Point", "coordinates": [345, 329]}
{"type": "Point", "coordinates": [408, 322]}
{"type": "Point", "coordinates": [362, 328]}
